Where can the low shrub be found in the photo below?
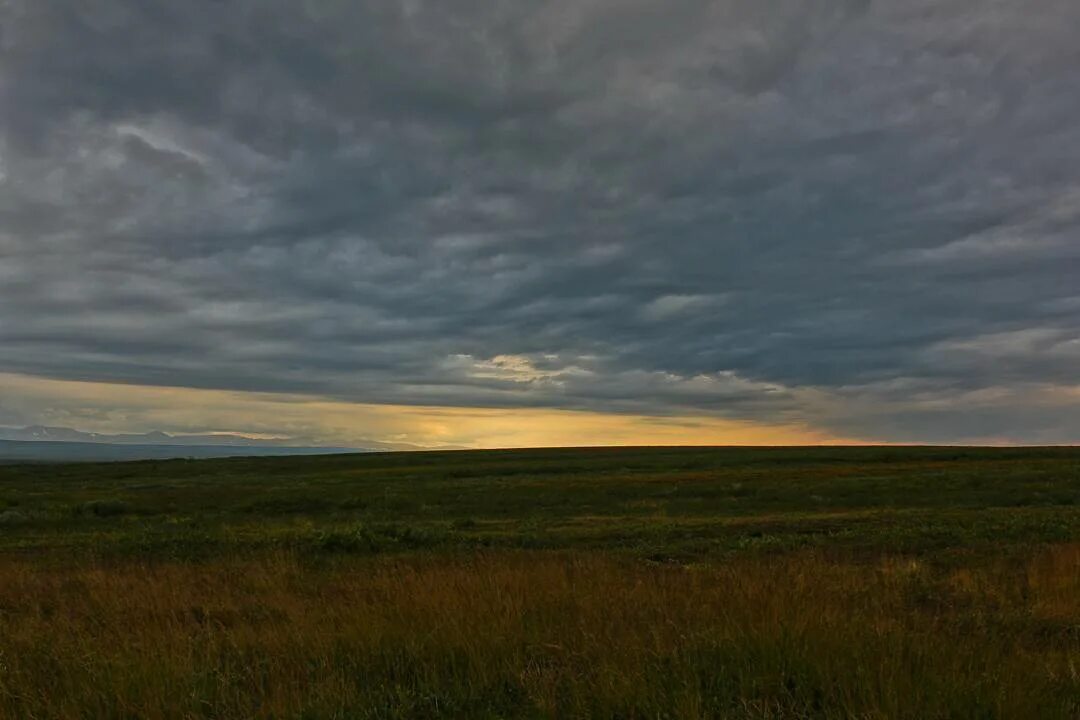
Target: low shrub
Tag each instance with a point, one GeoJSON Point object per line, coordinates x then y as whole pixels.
{"type": "Point", "coordinates": [103, 508]}
{"type": "Point", "coordinates": [367, 538]}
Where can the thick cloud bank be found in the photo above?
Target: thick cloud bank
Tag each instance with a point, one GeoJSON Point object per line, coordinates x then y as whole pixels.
{"type": "Point", "coordinates": [860, 216]}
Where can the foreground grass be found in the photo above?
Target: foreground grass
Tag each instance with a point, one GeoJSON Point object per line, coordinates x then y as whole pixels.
{"type": "Point", "coordinates": [524, 635]}
{"type": "Point", "coordinates": [638, 583]}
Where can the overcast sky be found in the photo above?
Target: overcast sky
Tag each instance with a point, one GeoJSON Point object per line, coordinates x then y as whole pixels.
{"type": "Point", "coordinates": [821, 219]}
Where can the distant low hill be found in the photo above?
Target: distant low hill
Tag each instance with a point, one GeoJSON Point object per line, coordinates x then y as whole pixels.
{"type": "Point", "coordinates": [40, 443]}
{"type": "Point", "coordinates": [50, 451]}
{"type": "Point", "coordinates": [44, 433]}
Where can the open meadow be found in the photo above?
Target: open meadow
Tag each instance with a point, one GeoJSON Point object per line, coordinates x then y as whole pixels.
{"type": "Point", "coordinates": [609, 583]}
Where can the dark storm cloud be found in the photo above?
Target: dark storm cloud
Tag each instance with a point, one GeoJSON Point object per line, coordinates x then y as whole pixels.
{"type": "Point", "coordinates": [837, 212]}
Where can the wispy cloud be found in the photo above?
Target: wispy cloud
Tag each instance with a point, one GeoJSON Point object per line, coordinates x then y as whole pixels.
{"type": "Point", "coordinates": [303, 419]}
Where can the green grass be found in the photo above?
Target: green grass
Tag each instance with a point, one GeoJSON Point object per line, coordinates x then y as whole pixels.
{"type": "Point", "coordinates": [615, 583]}
{"type": "Point", "coordinates": [677, 503]}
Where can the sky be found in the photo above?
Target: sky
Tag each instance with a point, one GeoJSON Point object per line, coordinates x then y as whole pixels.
{"type": "Point", "coordinates": [571, 222]}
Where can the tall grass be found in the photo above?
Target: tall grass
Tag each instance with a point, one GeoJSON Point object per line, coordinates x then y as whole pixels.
{"type": "Point", "coordinates": [511, 634]}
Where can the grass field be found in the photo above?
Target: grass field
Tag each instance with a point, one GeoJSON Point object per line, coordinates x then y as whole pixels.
{"type": "Point", "coordinates": [621, 583]}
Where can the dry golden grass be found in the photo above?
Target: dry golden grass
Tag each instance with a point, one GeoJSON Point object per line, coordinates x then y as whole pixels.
{"type": "Point", "coordinates": [547, 635]}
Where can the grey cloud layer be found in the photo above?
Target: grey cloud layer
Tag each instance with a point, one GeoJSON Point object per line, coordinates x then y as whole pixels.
{"type": "Point", "coordinates": [859, 215]}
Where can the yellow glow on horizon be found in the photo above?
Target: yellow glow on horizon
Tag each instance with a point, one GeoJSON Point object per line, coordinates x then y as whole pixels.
{"type": "Point", "coordinates": [114, 407]}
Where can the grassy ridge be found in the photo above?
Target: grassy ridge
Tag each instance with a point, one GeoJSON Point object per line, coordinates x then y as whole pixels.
{"type": "Point", "coordinates": [635, 583]}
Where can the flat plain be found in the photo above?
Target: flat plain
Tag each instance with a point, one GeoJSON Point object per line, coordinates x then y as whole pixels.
{"type": "Point", "coordinates": [606, 583]}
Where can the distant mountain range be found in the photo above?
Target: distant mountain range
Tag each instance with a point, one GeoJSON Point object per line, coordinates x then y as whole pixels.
{"type": "Point", "coordinates": [40, 443]}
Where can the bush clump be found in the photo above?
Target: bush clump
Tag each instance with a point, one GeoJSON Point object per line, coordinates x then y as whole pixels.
{"type": "Point", "coordinates": [12, 517]}
{"type": "Point", "coordinates": [103, 508]}
{"type": "Point", "coordinates": [366, 538]}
